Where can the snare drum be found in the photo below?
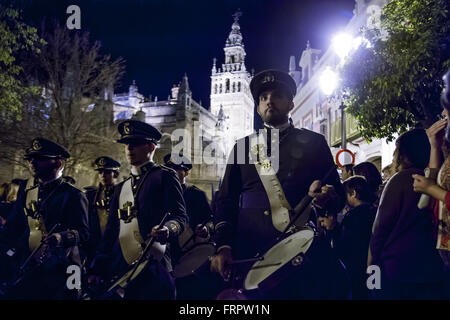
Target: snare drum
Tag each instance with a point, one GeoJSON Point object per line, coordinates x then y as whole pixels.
{"type": "Point", "coordinates": [290, 251]}
{"type": "Point", "coordinates": [194, 259]}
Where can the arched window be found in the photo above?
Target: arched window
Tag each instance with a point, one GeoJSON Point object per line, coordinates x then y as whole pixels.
{"type": "Point", "coordinates": [239, 86]}
{"type": "Point", "coordinates": [220, 88]}
{"type": "Point", "coordinates": [215, 88]}
{"type": "Point", "coordinates": [234, 87]}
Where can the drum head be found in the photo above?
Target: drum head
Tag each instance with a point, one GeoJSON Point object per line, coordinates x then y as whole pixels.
{"type": "Point", "coordinates": [277, 256]}
{"type": "Point", "coordinates": [122, 282]}
{"type": "Point", "coordinates": [193, 259]}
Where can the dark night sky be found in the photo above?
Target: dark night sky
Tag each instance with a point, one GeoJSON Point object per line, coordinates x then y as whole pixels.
{"type": "Point", "coordinates": [162, 39]}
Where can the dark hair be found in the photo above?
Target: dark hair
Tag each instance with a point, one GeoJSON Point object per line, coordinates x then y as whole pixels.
{"type": "Point", "coordinates": [415, 146]}
{"type": "Point", "coordinates": [371, 173]}
{"type": "Point", "coordinates": [360, 186]}
{"type": "Point", "coordinates": [348, 168]}
{"type": "Point", "coordinates": [321, 212]}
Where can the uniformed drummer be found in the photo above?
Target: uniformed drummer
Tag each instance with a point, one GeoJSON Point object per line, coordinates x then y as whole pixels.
{"type": "Point", "coordinates": [137, 208]}
{"type": "Point", "coordinates": [199, 285]}
{"type": "Point", "coordinates": [51, 212]}
{"type": "Point", "coordinates": [99, 198]}
{"type": "Point", "coordinates": [253, 203]}
{"type": "Point", "coordinates": [197, 206]}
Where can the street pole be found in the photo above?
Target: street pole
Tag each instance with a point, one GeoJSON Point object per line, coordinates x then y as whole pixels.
{"type": "Point", "coordinates": [343, 131]}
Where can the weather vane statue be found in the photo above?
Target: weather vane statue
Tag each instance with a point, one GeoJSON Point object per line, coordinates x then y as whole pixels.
{"type": "Point", "coordinates": [237, 15]}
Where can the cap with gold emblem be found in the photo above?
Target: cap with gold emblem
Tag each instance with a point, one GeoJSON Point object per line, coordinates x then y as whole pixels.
{"type": "Point", "coordinates": [41, 147]}
{"type": "Point", "coordinates": [137, 130]}
{"type": "Point", "coordinates": [180, 162]}
{"type": "Point", "coordinates": [106, 163]}
{"type": "Point", "coordinates": [271, 79]}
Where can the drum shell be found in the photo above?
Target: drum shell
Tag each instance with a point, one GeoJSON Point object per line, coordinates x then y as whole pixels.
{"type": "Point", "coordinates": [320, 276]}
{"type": "Point", "coordinates": [190, 258]}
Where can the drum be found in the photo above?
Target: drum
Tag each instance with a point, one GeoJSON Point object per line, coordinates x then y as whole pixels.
{"type": "Point", "coordinates": [125, 279]}
{"type": "Point", "coordinates": [288, 252]}
{"type": "Point", "coordinates": [193, 259]}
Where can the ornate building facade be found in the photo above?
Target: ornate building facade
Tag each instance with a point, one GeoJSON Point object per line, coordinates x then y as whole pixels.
{"type": "Point", "coordinates": [205, 137]}
{"type": "Point", "coordinates": [315, 111]}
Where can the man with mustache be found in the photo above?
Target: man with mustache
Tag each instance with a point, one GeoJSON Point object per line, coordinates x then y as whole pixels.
{"type": "Point", "coordinates": [47, 203]}
{"type": "Point", "coordinates": [247, 216]}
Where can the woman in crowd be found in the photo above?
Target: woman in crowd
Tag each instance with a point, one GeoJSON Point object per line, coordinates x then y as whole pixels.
{"type": "Point", "coordinates": [402, 244]}
{"type": "Point", "coordinates": [438, 185]}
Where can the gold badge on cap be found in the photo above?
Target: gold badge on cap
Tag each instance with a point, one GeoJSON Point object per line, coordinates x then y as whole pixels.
{"type": "Point", "coordinates": [268, 78]}
{"type": "Point", "coordinates": [36, 145]}
{"type": "Point", "coordinates": [101, 162]}
{"type": "Point", "coordinates": [127, 129]}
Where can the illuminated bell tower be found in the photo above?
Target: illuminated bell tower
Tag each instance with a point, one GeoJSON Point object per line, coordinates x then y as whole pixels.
{"type": "Point", "coordinates": [230, 91]}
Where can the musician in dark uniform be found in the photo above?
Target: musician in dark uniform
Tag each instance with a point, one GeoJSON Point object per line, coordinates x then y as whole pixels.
{"type": "Point", "coordinates": [198, 286]}
{"type": "Point", "coordinates": [49, 210]}
{"type": "Point", "coordinates": [99, 200]}
{"type": "Point", "coordinates": [245, 223]}
{"type": "Point", "coordinates": [197, 206]}
{"type": "Point", "coordinates": [137, 209]}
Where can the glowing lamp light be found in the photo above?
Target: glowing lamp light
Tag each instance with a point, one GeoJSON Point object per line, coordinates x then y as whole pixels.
{"type": "Point", "coordinates": [360, 41]}
{"type": "Point", "coordinates": [342, 44]}
{"type": "Point", "coordinates": [328, 81]}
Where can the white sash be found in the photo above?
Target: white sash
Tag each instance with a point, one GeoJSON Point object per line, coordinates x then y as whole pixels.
{"type": "Point", "coordinates": [279, 206]}
{"type": "Point", "coordinates": [130, 237]}
{"type": "Point", "coordinates": [102, 213]}
{"type": "Point", "coordinates": [36, 226]}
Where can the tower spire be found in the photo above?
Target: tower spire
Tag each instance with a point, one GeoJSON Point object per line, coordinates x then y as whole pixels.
{"type": "Point", "coordinates": [237, 15]}
{"type": "Point", "coordinates": [230, 93]}
{"type": "Point", "coordinates": [235, 36]}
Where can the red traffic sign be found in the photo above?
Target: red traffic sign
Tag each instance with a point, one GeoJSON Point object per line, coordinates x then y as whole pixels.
{"type": "Point", "coordinates": [344, 157]}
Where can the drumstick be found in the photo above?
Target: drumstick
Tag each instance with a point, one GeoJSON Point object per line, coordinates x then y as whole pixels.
{"type": "Point", "coordinates": [246, 260]}
{"type": "Point", "coordinates": [266, 266]}
{"type": "Point", "coordinates": [300, 208]}
{"type": "Point", "coordinates": [147, 248]}
{"type": "Point", "coordinates": [203, 223]}
{"type": "Point", "coordinates": [50, 233]}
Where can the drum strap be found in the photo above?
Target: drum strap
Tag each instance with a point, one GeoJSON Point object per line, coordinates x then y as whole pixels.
{"type": "Point", "coordinates": [35, 221]}
{"type": "Point", "coordinates": [279, 205]}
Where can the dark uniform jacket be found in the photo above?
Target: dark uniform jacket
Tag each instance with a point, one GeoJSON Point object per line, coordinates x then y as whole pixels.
{"type": "Point", "coordinates": [197, 206]}
{"type": "Point", "coordinates": [60, 202]}
{"type": "Point", "coordinates": [242, 207]}
{"type": "Point", "coordinates": [158, 192]}
{"type": "Point", "coordinates": [93, 196]}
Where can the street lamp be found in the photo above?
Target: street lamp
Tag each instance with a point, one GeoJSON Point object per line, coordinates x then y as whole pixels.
{"type": "Point", "coordinates": [342, 44]}
{"type": "Point", "coordinates": [329, 81]}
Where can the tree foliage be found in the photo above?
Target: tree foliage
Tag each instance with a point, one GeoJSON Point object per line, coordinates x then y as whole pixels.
{"type": "Point", "coordinates": [396, 82]}
{"type": "Point", "coordinates": [16, 39]}
{"type": "Point", "coordinates": [72, 107]}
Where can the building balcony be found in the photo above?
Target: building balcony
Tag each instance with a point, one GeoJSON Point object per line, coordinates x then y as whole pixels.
{"type": "Point", "coordinates": [351, 129]}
